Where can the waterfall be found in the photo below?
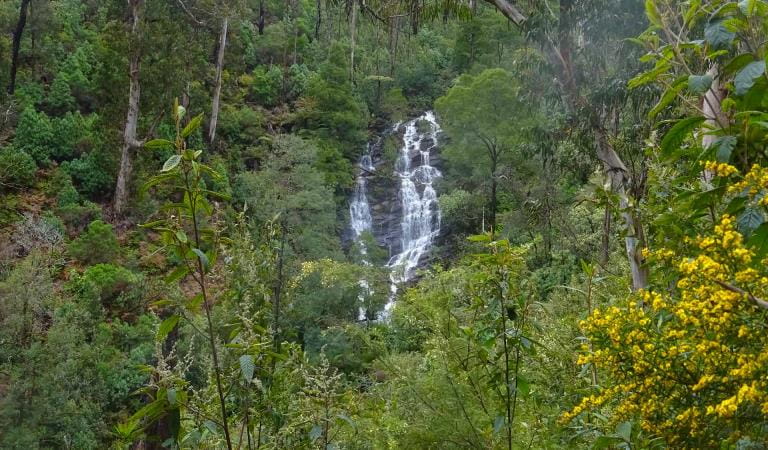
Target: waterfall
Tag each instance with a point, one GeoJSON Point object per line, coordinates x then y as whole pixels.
{"type": "Point", "coordinates": [361, 220]}
{"type": "Point", "coordinates": [420, 221]}
{"type": "Point", "coordinates": [418, 212]}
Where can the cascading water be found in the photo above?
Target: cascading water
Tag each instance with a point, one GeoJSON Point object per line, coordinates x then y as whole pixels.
{"type": "Point", "coordinates": [361, 220]}
{"type": "Point", "coordinates": [420, 221]}
{"type": "Point", "coordinates": [418, 215]}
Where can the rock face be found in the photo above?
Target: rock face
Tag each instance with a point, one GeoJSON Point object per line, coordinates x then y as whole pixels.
{"type": "Point", "coordinates": [395, 199]}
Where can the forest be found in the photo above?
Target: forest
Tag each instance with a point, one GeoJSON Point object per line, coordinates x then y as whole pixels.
{"type": "Point", "coordinates": [383, 224]}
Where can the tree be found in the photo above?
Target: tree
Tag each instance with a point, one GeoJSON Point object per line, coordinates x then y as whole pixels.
{"type": "Point", "coordinates": [483, 115]}
{"type": "Point", "coordinates": [17, 35]}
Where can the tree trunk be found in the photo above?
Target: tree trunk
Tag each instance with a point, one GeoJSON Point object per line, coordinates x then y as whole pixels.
{"type": "Point", "coordinates": [260, 25]}
{"type": "Point", "coordinates": [17, 34]}
{"type": "Point", "coordinates": [217, 88]}
{"type": "Point", "coordinates": [130, 141]}
{"type": "Point", "coordinates": [713, 112]}
{"type": "Point", "coordinates": [352, 36]}
{"type": "Point", "coordinates": [494, 185]}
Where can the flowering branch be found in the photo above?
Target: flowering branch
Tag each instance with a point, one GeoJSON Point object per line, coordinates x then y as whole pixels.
{"type": "Point", "coordinates": [758, 301]}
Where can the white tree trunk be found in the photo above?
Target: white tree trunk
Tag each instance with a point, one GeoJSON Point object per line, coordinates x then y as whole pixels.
{"type": "Point", "coordinates": [219, 74]}
{"type": "Point", "coordinates": [130, 141]}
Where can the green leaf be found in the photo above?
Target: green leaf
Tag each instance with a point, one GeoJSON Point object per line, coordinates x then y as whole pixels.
{"type": "Point", "coordinates": [724, 146]}
{"type": "Point", "coordinates": [177, 274]}
{"type": "Point", "coordinates": [718, 35]}
{"type": "Point", "coordinates": [171, 395]}
{"type": "Point", "coordinates": [247, 367]}
{"type": "Point", "coordinates": [624, 430]}
{"type": "Point", "coordinates": [166, 327]}
{"type": "Point", "coordinates": [158, 144]}
{"type": "Point", "coordinates": [347, 419]}
{"type": "Point", "coordinates": [758, 241]}
{"type": "Point", "coordinates": [669, 96]}
{"type": "Point", "coordinates": [315, 432]}
{"type": "Point", "coordinates": [200, 254]}
{"type": "Point", "coordinates": [653, 13]}
{"type": "Point", "coordinates": [750, 220]}
{"type": "Point", "coordinates": [171, 163]}
{"type": "Point", "coordinates": [747, 77]}
{"type": "Point", "coordinates": [700, 84]}
{"type": "Point", "coordinates": [193, 125]}
{"type": "Point", "coordinates": [182, 236]}
{"type": "Point", "coordinates": [677, 134]}
{"type": "Point", "coordinates": [498, 423]}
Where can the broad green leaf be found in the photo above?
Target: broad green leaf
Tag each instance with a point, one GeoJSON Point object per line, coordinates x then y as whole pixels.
{"type": "Point", "coordinates": [166, 327]}
{"type": "Point", "coordinates": [347, 419]}
{"type": "Point", "coordinates": [758, 241]}
{"type": "Point", "coordinates": [653, 13]}
{"type": "Point", "coordinates": [699, 84]}
{"type": "Point", "coordinates": [158, 143]}
{"type": "Point", "coordinates": [200, 254]}
{"type": "Point", "coordinates": [193, 125]}
{"type": "Point", "coordinates": [315, 432]}
{"type": "Point", "coordinates": [247, 367]}
{"type": "Point", "coordinates": [177, 274]}
{"type": "Point", "coordinates": [498, 423]}
{"type": "Point", "coordinates": [677, 134]}
{"type": "Point", "coordinates": [747, 76]}
{"type": "Point", "coordinates": [171, 395]}
{"type": "Point", "coordinates": [750, 220]}
{"type": "Point", "coordinates": [718, 35]}
{"type": "Point", "coordinates": [624, 430]}
{"type": "Point", "coordinates": [669, 96]}
{"type": "Point", "coordinates": [724, 146]}
{"type": "Point", "coordinates": [182, 237]}
{"type": "Point", "coordinates": [171, 163]}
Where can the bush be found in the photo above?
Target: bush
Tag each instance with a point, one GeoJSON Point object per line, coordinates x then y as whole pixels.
{"type": "Point", "coordinates": [17, 169]}
{"type": "Point", "coordinates": [91, 174]}
{"type": "Point", "coordinates": [34, 135]}
{"type": "Point", "coordinates": [77, 216]}
{"type": "Point", "coordinates": [97, 245]}
{"type": "Point", "coordinates": [266, 85]}
{"type": "Point", "coordinates": [111, 285]}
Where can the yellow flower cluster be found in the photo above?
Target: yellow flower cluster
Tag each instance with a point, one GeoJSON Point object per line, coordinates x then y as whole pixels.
{"type": "Point", "coordinates": [720, 169]}
{"type": "Point", "coordinates": [754, 184]}
{"type": "Point", "coordinates": [688, 364]}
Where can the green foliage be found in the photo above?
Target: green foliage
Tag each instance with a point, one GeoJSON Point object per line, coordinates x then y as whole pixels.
{"type": "Point", "coordinates": [17, 169]}
{"type": "Point", "coordinates": [98, 244]}
{"type": "Point", "coordinates": [35, 135]}
{"type": "Point", "coordinates": [266, 85]}
{"type": "Point", "coordinates": [110, 286]}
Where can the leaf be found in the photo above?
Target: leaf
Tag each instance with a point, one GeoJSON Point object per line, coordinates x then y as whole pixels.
{"type": "Point", "coordinates": [677, 134]}
{"type": "Point", "coordinates": [747, 77]}
{"type": "Point", "coordinates": [247, 367]}
{"type": "Point", "coordinates": [166, 327]}
{"type": "Point", "coordinates": [171, 163]}
{"type": "Point", "coordinates": [724, 146]}
{"type": "Point", "coordinates": [347, 419]}
{"type": "Point", "coordinates": [171, 395]}
{"type": "Point", "coordinates": [498, 423]}
{"type": "Point", "coordinates": [624, 430]}
{"type": "Point", "coordinates": [653, 13]}
{"type": "Point", "coordinates": [718, 35]}
{"type": "Point", "coordinates": [193, 125]}
{"type": "Point", "coordinates": [750, 220]}
{"type": "Point", "coordinates": [158, 144]}
{"type": "Point", "coordinates": [700, 84]}
{"type": "Point", "coordinates": [759, 241]}
{"type": "Point", "coordinates": [315, 432]}
{"type": "Point", "coordinates": [177, 274]}
{"type": "Point", "coordinates": [523, 385]}
{"type": "Point", "coordinates": [202, 256]}
{"type": "Point", "coordinates": [669, 96]}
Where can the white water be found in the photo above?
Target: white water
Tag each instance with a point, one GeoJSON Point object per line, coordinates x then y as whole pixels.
{"type": "Point", "coordinates": [420, 221]}
{"type": "Point", "coordinates": [361, 221]}
{"type": "Point", "coordinates": [420, 218]}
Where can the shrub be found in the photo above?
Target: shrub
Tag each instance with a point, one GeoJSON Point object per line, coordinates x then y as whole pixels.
{"type": "Point", "coordinates": [34, 135]}
{"type": "Point", "coordinates": [97, 245]}
{"type": "Point", "coordinates": [266, 85]}
{"type": "Point", "coordinates": [17, 169]}
{"type": "Point", "coordinates": [77, 216]}
{"type": "Point", "coordinates": [111, 285]}
{"type": "Point", "coordinates": [91, 174]}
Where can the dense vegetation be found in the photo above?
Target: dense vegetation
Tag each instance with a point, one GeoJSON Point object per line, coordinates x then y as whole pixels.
{"type": "Point", "coordinates": [176, 269]}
